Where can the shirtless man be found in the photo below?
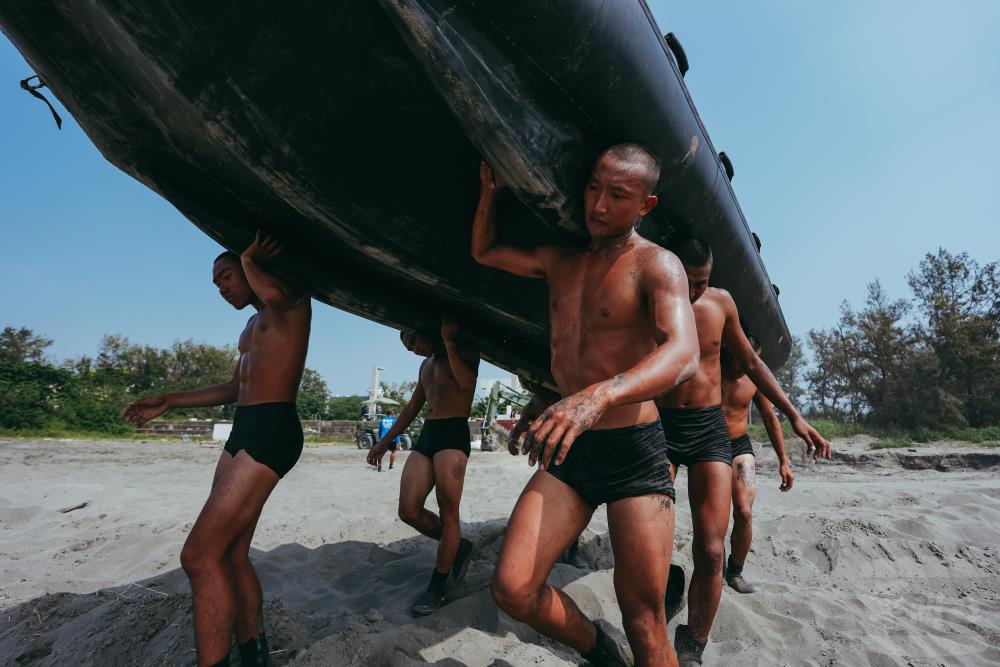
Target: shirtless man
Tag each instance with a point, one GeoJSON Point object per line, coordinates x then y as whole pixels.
{"type": "Point", "coordinates": [265, 443]}
{"type": "Point", "coordinates": [737, 394]}
{"type": "Point", "coordinates": [622, 332]}
{"type": "Point", "coordinates": [697, 437]}
{"type": "Point", "coordinates": [447, 384]}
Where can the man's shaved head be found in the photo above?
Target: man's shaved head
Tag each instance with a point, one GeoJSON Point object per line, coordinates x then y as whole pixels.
{"type": "Point", "coordinates": [230, 256]}
{"type": "Point", "coordinates": [637, 157]}
{"type": "Point", "coordinates": [692, 251]}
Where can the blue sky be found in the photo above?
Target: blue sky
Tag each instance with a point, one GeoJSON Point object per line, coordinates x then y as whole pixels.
{"type": "Point", "coordinates": [863, 136]}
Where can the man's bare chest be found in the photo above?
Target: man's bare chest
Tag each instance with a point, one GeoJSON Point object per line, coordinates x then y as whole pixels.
{"type": "Point", "coordinates": [436, 374]}
{"type": "Point", "coordinates": [256, 333]}
{"type": "Point", "coordinates": [593, 296]}
{"type": "Point", "coordinates": [710, 322]}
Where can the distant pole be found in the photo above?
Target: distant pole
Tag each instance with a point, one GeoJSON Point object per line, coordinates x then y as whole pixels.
{"type": "Point", "coordinates": [374, 390]}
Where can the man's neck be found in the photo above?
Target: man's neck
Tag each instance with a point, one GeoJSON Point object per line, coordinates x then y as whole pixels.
{"type": "Point", "coordinates": [609, 242]}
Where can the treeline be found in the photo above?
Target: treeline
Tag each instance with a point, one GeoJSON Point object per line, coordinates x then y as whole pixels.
{"type": "Point", "coordinates": [88, 393]}
{"type": "Point", "coordinates": [929, 362]}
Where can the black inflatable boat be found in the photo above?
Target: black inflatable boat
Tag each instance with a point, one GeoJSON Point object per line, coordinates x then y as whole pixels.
{"type": "Point", "coordinates": [353, 129]}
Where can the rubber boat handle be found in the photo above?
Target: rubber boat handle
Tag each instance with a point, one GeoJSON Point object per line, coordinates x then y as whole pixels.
{"type": "Point", "coordinates": [777, 292]}
{"type": "Point", "coordinates": [678, 51]}
{"type": "Point", "coordinates": [727, 164]}
{"type": "Point", "coordinates": [756, 240]}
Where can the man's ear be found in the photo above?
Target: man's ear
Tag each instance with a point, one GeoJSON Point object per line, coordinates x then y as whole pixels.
{"type": "Point", "coordinates": [651, 202]}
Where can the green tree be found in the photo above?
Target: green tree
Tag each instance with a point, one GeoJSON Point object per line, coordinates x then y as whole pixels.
{"type": "Point", "coordinates": [314, 396]}
{"type": "Point", "coordinates": [479, 406]}
{"type": "Point", "coordinates": [191, 365]}
{"type": "Point", "coordinates": [22, 345]}
{"type": "Point", "coordinates": [399, 392]}
{"type": "Point", "coordinates": [346, 407]}
{"type": "Point", "coordinates": [960, 301]}
{"type": "Point", "coordinates": [29, 393]}
{"type": "Point", "coordinates": [859, 359]}
{"type": "Point", "coordinates": [146, 370]}
{"type": "Point", "coordinates": [93, 402]}
{"type": "Point", "coordinates": [827, 381]}
{"type": "Point", "coordinates": [791, 375]}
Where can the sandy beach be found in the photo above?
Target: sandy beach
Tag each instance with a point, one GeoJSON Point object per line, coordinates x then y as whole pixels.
{"type": "Point", "coordinates": [888, 557]}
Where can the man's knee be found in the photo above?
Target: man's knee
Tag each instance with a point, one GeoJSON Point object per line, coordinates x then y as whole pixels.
{"type": "Point", "coordinates": [516, 601]}
{"type": "Point", "coordinates": [742, 514]}
{"type": "Point", "coordinates": [409, 513]}
{"type": "Point", "coordinates": [708, 554]}
{"type": "Point", "coordinates": [197, 561]}
{"type": "Point", "coordinates": [646, 625]}
{"type": "Point", "coordinates": [448, 508]}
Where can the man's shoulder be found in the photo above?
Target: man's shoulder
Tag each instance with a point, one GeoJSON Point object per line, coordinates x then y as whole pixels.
{"type": "Point", "coordinates": [719, 296]}
{"type": "Point", "coordinates": [656, 261]}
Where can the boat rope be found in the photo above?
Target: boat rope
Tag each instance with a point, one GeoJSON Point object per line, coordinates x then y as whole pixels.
{"type": "Point", "coordinates": [32, 88]}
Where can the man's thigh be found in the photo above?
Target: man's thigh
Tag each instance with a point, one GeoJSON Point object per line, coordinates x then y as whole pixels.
{"type": "Point", "coordinates": [547, 518]}
{"type": "Point", "coordinates": [744, 480]}
{"type": "Point", "coordinates": [449, 475]}
{"type": "Point", "coordinates": [240, 489]}
{"type": "Point", "coordinates": [710, 490]}
{"type": "Point", "coordinates": [642, 536]}
{"type": "Point", "coordinates": [416, 481]}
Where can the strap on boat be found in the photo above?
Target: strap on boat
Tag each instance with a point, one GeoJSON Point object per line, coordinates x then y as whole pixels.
{"type": "Point", "coordinates": [32, 89]}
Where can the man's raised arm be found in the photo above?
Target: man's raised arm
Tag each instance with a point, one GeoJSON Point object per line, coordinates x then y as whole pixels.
{"type": "Point", "coordinates": [463, 358]}
{"type": "Point", "coordinates": [664, 284]}
{"type": "Point", "coordinates": [268, 288]}
{"type": "Point", "coordinates": [485, 249]}
{"type": "Point", "coordinates": [760, 375]}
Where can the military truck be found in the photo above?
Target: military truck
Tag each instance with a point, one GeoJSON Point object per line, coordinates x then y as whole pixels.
{"type": "Point", "coordinates": [366, 433]}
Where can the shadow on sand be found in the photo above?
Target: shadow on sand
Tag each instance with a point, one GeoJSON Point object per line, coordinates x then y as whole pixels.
{"type": "Point", "coordinates": [337, 604]}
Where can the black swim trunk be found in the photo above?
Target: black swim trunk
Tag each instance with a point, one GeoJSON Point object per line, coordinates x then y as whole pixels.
{"type": "Point", "coordinates": [271, 434]}
{"type": "Point", "coordinates": [393, 446]}
{"type": "Point", "coordinates": [741, 445]}
{"type": "Point", "coordinates": [440, 434]}
{"type": "Point", "coordinates": [696, 435]}
{"type": "Point", "coordinates": [611, 464]}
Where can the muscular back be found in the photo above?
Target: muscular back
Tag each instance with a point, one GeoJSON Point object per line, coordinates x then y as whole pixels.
{"type": "Point", "coordinates": [600, 320]}
{"type": "Point", "coordinates": [705, 388]}
{"type": "Point", "coordinates": [445, 398]}
{"type": "Point", "coordinates": [273, 353]}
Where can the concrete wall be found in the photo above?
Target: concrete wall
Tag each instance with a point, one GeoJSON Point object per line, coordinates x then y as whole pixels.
{"type": "Point", "coordinates": [335, 430]}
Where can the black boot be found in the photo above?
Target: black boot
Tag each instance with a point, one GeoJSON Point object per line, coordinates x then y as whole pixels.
{"type": "Point", "coordinates": [735, 580]}
{"type": "Point", "coordinates": [433, 598]}
{"type": "Point", "coordinates": [460, 566]}
{"type": "Point", "coordinates": [688, 648]}
{"type": "Point", "coordinates": [254, 653]}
